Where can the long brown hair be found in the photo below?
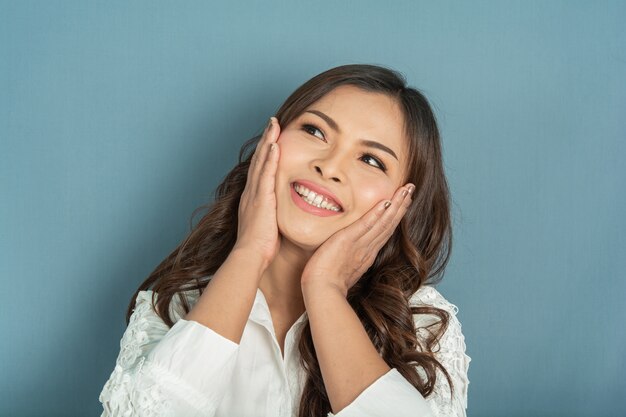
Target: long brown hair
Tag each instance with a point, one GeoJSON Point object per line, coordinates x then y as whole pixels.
{"type": "Point", "coordinates": [416, 253]}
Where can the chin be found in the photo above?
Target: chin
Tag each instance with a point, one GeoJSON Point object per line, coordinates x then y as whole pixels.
{"type": "Point", "coordinates": [306, 238]}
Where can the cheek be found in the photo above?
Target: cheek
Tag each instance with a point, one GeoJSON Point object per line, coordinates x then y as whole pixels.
{"type": "Point", "coordinates": [288, 159]}
{"type": "Point", "coordinates": [290, 145]}
{"type": "Point", "coordinates": [369, 193]}
{"type": "Point", "coordinates": [294, 155]}
{"type": "Point", "coordinates": [287, 146]}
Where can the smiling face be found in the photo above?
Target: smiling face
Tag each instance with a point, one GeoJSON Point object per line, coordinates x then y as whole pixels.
{"type": "Point", "coordinates": [342, 147]}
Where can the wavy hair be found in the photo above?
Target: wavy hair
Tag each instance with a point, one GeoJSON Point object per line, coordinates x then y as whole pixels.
{"type": "Point", "coordinates": [416, 254]}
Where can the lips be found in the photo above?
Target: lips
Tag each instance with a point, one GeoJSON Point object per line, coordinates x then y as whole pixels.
{"type": "Point", "coordinates": [319, 190]}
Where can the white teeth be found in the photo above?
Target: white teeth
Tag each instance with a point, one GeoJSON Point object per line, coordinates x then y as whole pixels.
{"type": "Point", "coordinates": [315, 199]}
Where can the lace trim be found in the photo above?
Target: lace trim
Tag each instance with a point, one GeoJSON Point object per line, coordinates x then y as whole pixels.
{"type": "Point", "coordinates": [135, 386]}
{"type": "Point", "coordinates": [451, 355]}
{"type": "Point", "coordinates": [136, 335]}
{"type": "Point", "coordinates": [125, 394]}
{"type": "Point", "coordinates": [130, 395]}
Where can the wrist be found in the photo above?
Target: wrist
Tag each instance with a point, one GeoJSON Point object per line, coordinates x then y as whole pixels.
{"type": "Point", "coordinates": [244, 255]}
{"type": "Point", "coordinates": [312, 287]}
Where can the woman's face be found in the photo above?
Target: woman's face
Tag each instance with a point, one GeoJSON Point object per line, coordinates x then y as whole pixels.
{"type": "Point", "coordinates": [343, 144]}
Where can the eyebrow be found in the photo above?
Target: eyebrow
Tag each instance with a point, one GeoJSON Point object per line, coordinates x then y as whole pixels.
{"type": "Point", "coordinates": [335, 126]}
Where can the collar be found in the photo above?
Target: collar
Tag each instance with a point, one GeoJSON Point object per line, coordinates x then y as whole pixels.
{"type": "Point", "coordinates": [261, 313]}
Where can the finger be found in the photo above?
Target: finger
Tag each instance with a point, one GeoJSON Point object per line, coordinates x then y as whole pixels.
{"type": "Point", "coordinates": [399, 215]}
{"type": "Point", "coordinates": [384, 221]}
{"type": "Point", "coordinates": [256, 156]}
{"type": "Point", "coordinates": [396, 212]}
{"type": "Point", "coordinates": [263, 139]}
{"type": "Point", "coordinates": [267, 179]}
{"type": "Point", "coordinates": [379, 219]}
{"type": "Point", "coordinates": [270, 137]}
{"type": "Point", "coordinates": [363, 225]}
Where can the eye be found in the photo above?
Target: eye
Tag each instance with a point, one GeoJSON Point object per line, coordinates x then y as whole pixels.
{"type": "Point", "coordinates": [379, 164]}
{"type": "Point", "coordinates": [311, 128]}
{"type": "Point", "coordinates": [367, 158]}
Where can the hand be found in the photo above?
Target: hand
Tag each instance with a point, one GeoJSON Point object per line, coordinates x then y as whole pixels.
{"type": "Point", "coordinates": [257, 227]}
{"type": "Point", "coordinates": [342, 259]}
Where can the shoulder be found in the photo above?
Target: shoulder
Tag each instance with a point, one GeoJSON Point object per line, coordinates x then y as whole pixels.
{"type": "Point", "coordinates": [451, 352]}
{"type": "Point", "coordinates": [428, 295]}
{"type": "Point", "coordinates": [145, 304]}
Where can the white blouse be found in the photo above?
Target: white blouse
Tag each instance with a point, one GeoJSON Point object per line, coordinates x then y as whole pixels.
{"type": "Point", "coordinates": [190, 370]}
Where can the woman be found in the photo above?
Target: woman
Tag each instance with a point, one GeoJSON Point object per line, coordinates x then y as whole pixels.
{"type": "Point", "coordinates": [304, 289]}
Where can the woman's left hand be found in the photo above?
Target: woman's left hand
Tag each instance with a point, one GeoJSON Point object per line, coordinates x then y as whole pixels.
{"type": "Point", "coordinates": [342, 259]}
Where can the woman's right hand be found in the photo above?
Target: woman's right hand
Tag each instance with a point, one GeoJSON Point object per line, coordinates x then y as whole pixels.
{"type": "Point", "coordinates": [257, 228]}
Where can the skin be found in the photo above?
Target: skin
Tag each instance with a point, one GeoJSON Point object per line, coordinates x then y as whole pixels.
{"type": "Point", "coordinates": [301, 261]}
{"type": "Point", "coordinates": [356, 181]}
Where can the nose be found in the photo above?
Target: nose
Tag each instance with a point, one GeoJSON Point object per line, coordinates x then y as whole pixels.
{"type": "Point", "coordinates": [329, 168]}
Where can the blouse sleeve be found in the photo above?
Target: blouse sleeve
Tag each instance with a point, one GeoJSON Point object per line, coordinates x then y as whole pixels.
{"type": "Point", "coordinates": [167, 372]}
{"type": "Point", "coordinates": [393, 395]}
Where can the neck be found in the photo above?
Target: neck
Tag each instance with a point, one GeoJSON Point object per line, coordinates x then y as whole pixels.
{"type": "Point", "coordinates": [280, 283]}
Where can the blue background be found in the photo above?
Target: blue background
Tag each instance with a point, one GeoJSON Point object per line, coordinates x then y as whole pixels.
{"type": "Point", "coordinates": [117, 119]}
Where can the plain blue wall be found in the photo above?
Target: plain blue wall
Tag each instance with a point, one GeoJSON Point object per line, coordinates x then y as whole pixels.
{"type": "Point", "coordinates": [117, 119]}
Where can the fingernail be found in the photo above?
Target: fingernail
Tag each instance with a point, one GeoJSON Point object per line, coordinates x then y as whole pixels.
{"type": "Point", "coordinates": [273, 146]}
{"type": "Point", "coordinates": [404, 193]}
{"type": "Point", "coordinates": [387, 204]}
{"type": "Point", "coordinates": [269, 125]}
{"type": "Point", "coordinates": [411, 189]}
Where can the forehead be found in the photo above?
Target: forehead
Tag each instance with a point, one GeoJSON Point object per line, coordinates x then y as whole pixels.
{"type": "Point", "coordinates": [362, 114]}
